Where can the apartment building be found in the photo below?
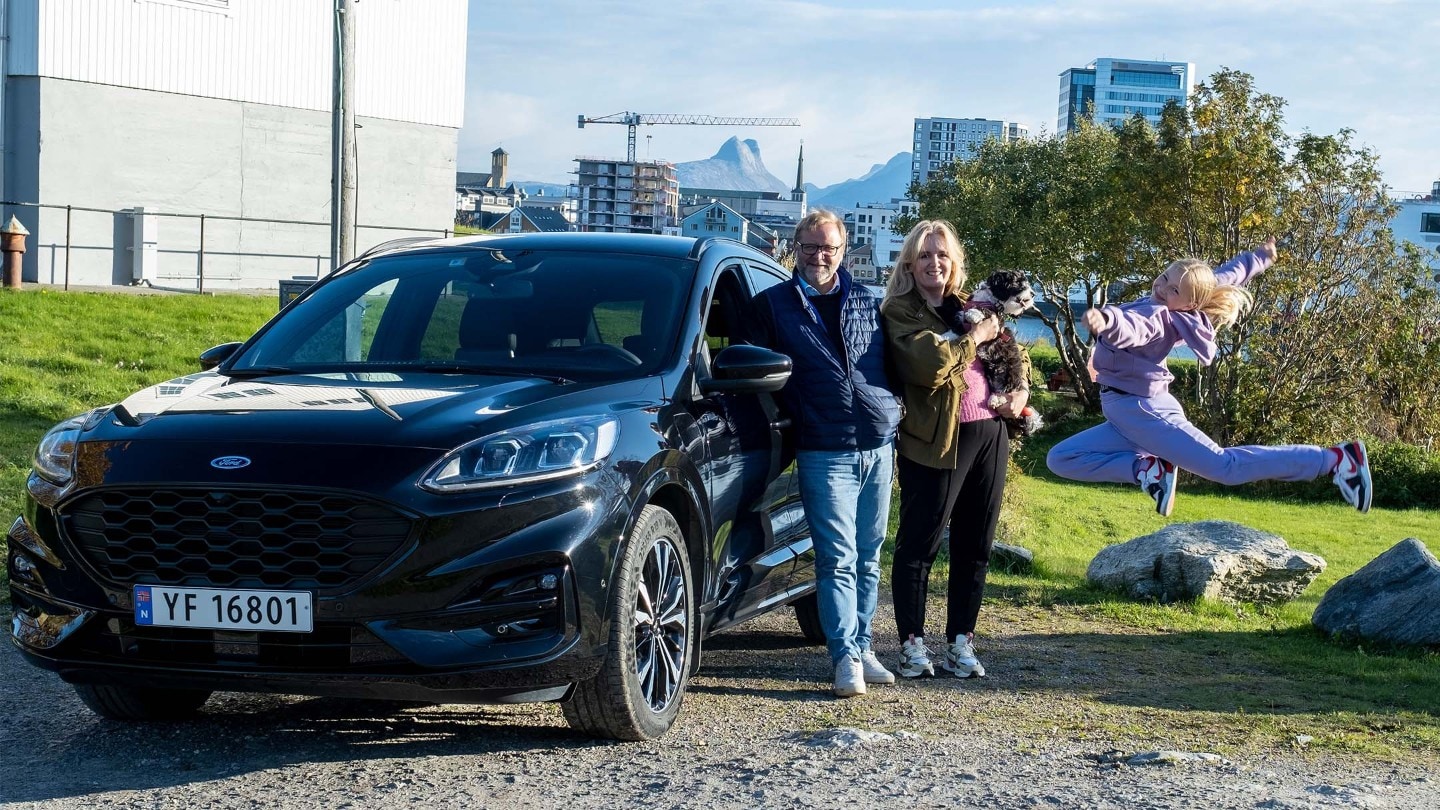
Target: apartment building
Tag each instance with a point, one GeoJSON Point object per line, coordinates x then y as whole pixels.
{"type": "Point", "coordinates": [616, 196]}
{"type": "Point", "coordinates": [941, 140]}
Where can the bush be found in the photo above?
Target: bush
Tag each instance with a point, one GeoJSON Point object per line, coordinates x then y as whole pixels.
{"type": "Point", "coordinates": [1405, 476]}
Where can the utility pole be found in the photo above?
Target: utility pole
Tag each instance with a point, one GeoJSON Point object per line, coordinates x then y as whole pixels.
{"type": "Point", "coordinates": [342, 137]}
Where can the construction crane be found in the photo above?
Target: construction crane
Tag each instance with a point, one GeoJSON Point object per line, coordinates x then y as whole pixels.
{"type": "Point", "coordinates": [633, 120]}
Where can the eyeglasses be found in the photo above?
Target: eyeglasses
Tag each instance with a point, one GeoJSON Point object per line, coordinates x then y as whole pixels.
{"type": "Point", "coordinates": [811, 248]}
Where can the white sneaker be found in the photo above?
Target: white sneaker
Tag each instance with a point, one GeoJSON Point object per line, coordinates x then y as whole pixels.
{"type": "Point", "coordinates": [1158, 480]}
{"type": "Point", "coordinates": [849, 677]}
{"type": "Point", "coordinates": [960, 659]}
{"type": "Point", "coordinates": [915, 659]}
{"type": "Point", "coordinates": [1352, 475]}
{"type": "Point", "coordinates": [874, 671]}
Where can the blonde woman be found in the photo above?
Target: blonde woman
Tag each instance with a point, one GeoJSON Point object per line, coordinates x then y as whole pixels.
{"type": "Point", "coordinates": [1145, 436]}
{"type": "Point", "coordinates": [953, 447]}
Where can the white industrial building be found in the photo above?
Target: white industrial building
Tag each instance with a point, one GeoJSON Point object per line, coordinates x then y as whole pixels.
{"type": "Point", "coordinates": [160, 140]}
{"type": "Point", "coordinates": [1418, 222]}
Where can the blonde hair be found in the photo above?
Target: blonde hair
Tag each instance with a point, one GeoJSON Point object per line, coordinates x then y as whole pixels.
{"type": "Point", "coordinates": [817, 219]}
{"type": "Point", "coordinates": [902, 281]}
{"type": "Point", "coordinates": [1223, 304]}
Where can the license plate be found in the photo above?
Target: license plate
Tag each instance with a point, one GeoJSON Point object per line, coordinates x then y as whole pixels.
{"type": "Point", "coordinates": [223, 609]}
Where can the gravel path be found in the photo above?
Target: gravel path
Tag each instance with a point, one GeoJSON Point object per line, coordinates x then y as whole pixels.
{"type": "Point", "coordinates": [758, 730]}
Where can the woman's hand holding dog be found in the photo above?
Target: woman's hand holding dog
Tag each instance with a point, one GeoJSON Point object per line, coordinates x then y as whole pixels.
{"type": "Point", "coordinates": [986, 330]}
{"type": "Point", "coordinates": [1014, 403]}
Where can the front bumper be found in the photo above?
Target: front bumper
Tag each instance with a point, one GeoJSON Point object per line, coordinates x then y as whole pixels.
{"type": "Point", "coordinates": [462, 615]}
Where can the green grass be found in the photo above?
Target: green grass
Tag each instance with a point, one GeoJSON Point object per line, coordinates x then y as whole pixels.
{"type": "Point", "coordinates": [65, 352]}
{"type": "Point", "coordinates": [1226, 675]}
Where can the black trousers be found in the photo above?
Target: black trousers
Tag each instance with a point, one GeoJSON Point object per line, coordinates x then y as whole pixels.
{"type": "Point", "coordinates": [968, 499]}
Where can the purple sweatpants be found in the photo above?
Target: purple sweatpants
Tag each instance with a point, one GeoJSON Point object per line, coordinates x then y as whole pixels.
{"type": "Point", "coordinates": [1139, 427]}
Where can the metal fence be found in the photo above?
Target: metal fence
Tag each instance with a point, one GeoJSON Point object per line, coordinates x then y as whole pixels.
{"type": "Point", "coordinates": [87, 245]}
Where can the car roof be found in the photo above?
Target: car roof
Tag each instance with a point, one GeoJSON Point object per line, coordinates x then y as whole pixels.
{"type": "Point", "coordinates": [649, 244]}
{"type": "Point", "coordinates": [678, 247]}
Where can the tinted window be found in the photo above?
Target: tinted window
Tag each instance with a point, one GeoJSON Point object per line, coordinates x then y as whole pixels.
{"type": "Point", "coordinates": [579, 315]}
{"type": "Point", "coordinates": [763, 278]}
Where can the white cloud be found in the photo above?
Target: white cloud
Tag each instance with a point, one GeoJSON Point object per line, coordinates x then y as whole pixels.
{"type": "Point", "coordinates": [856, 72]}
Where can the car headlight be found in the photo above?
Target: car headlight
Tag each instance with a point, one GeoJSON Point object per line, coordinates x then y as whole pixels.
{"type": "Point", "coordinates": [539, 452]}
{"type": "Point", "coordinates": [55, 457]}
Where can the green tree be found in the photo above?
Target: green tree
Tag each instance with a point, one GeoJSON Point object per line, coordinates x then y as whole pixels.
{"type": "Point", "coordinates": [1342, 340]}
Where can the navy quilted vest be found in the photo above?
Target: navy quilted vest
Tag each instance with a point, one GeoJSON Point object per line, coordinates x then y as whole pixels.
{"type": "Point", "coordinates": [835, 403]}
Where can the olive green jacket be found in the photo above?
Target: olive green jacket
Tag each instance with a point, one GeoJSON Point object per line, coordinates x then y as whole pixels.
{"type": "Point", "coordinates": [931, 369]}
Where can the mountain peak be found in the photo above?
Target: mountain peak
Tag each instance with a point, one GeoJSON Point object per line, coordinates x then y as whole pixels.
{"type": "Point", "coordinates": [738, 151]}
{"type": "Point", "coordinates": [736, 166]}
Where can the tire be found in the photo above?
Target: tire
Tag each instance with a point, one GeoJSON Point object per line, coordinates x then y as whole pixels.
{"type": "Point", "coordinates": [637, 693]}
{"type": "Point", "coordinates": [807, 615]}
{"type": "Point", "coordinates": [133, 703]}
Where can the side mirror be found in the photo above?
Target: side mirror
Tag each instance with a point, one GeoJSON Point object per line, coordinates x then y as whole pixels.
{"type": "Point", "coordinates": [212, 357]}
{"type": "Point", "coordinates": [742, 369]}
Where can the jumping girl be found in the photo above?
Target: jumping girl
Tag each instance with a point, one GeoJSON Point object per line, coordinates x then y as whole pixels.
{"type": "Point", "coordinates": [1145, 435]}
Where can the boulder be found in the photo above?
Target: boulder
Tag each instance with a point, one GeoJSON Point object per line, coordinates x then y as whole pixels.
{"type": "Point", "coordinates": [1011, 559]}
{"type": "Point", "coordinates": [1392, 599]}
{"type": "Point", "coordinates": [1213, 559]}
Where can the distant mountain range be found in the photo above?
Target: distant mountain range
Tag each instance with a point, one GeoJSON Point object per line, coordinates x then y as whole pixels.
{"type": "Point", "coordinates": [737, 166]}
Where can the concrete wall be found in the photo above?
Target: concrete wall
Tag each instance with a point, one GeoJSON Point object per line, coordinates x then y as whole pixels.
{"type": "Point", "coordinates": [117, 148]}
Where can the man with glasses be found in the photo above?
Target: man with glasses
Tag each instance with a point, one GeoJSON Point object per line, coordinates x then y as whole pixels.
{"type": "Point", "coordinates": [844, 412]}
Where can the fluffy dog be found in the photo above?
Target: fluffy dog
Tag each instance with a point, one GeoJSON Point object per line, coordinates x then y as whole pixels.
{"type": "Point", "coordinates": [1006, 293]}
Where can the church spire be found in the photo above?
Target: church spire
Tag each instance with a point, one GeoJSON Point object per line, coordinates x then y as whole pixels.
{"type": "Point", "coordinates": [799, 174]}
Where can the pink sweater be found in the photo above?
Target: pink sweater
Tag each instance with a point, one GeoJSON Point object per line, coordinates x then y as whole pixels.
{"type": "Point", "coordinates": [974, 403]}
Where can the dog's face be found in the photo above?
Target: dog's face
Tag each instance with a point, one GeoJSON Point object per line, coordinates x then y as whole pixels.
{"type": "Point", "coordinates": [1010, 291]}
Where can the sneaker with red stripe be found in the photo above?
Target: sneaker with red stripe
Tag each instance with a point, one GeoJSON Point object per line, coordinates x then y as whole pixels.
{"type": "Point", "coordinates": [1352, 475]}
{"type": "Point", "coordinates": [1158, 480]}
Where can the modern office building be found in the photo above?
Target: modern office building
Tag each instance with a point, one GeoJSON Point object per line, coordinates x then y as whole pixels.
{"type": "Point", "coordinates": [187, 143]}
{"type": "Point", "coordinates": [616, 196]}
{"type": "Point", "coordinates": [941, 140]}
{"type": "Point", "coordinates": [1112, 90]}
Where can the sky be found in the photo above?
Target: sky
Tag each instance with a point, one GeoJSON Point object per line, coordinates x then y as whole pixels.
{"type": "Point", "coordinates": [856, 73]}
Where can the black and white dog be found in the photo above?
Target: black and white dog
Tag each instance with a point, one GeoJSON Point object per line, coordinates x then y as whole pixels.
{"type": "Point", "coordinates": [1007, 293]}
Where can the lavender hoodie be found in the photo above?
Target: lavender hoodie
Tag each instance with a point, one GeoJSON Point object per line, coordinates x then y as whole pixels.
{"type": "Point", "coordinates": [1130, 351]}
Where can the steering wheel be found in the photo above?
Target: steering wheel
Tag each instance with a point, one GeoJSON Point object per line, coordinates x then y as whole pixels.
{"type": "Point", "coordinates": [618, 352]}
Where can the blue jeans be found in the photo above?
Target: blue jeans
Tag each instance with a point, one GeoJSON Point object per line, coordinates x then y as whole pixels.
{"type": "Point", "coordinates": [846, 494]}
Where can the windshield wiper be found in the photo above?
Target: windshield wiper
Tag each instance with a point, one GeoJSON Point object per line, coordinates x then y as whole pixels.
{"type": "Point", "coordinates": [257, 371]}
{"type": "Point", "coordinates": [468, 368]}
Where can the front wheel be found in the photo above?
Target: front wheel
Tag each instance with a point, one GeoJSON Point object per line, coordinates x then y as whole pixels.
{"type": "Point", "coordinates": [638, 691]}
{"type": "Point", "coordinates": [138, 703]}
{"type": "Point", "coordinates": [807, 615]}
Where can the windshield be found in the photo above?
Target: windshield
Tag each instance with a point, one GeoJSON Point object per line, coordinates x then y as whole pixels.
{"type": "Point", "coordinates": [572, 314]}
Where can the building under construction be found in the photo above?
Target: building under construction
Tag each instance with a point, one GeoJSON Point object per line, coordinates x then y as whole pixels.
{"type": "Point", "coordinates": [617, 196]}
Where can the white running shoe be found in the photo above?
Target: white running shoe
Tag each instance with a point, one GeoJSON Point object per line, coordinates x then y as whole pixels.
{"type": "Point", "coordinates": [873, 670]}
{"type": "Point", "coordinates": [960, 659]}
{"type": "Point", "coordinates": [915, 659]}
{"type": "Point", "coordinates": [849, 677]}
{"type": "Point", "coordinates": [1352, 475]}
{"type": "Point", "coordinates": [1158, 480]}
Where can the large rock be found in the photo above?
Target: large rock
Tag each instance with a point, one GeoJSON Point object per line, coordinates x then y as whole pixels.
{"type": "Point", "coordinates": [1011, 559]}
{"type": "Point", "coordinates": [1392, 599]}
{"type": "Point", "coordinates": [1214, 559]}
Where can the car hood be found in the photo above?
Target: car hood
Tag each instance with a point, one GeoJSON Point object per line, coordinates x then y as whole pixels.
{"type": "Point", "coordinates": [404, 409]}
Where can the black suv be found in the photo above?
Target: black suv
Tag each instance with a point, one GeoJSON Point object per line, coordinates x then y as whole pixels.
{"type": "Point", "coordinates": [494, 469]}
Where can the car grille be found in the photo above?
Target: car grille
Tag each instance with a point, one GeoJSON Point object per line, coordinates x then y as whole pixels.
{"type": "Point", "coordinates": [234, 538]}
